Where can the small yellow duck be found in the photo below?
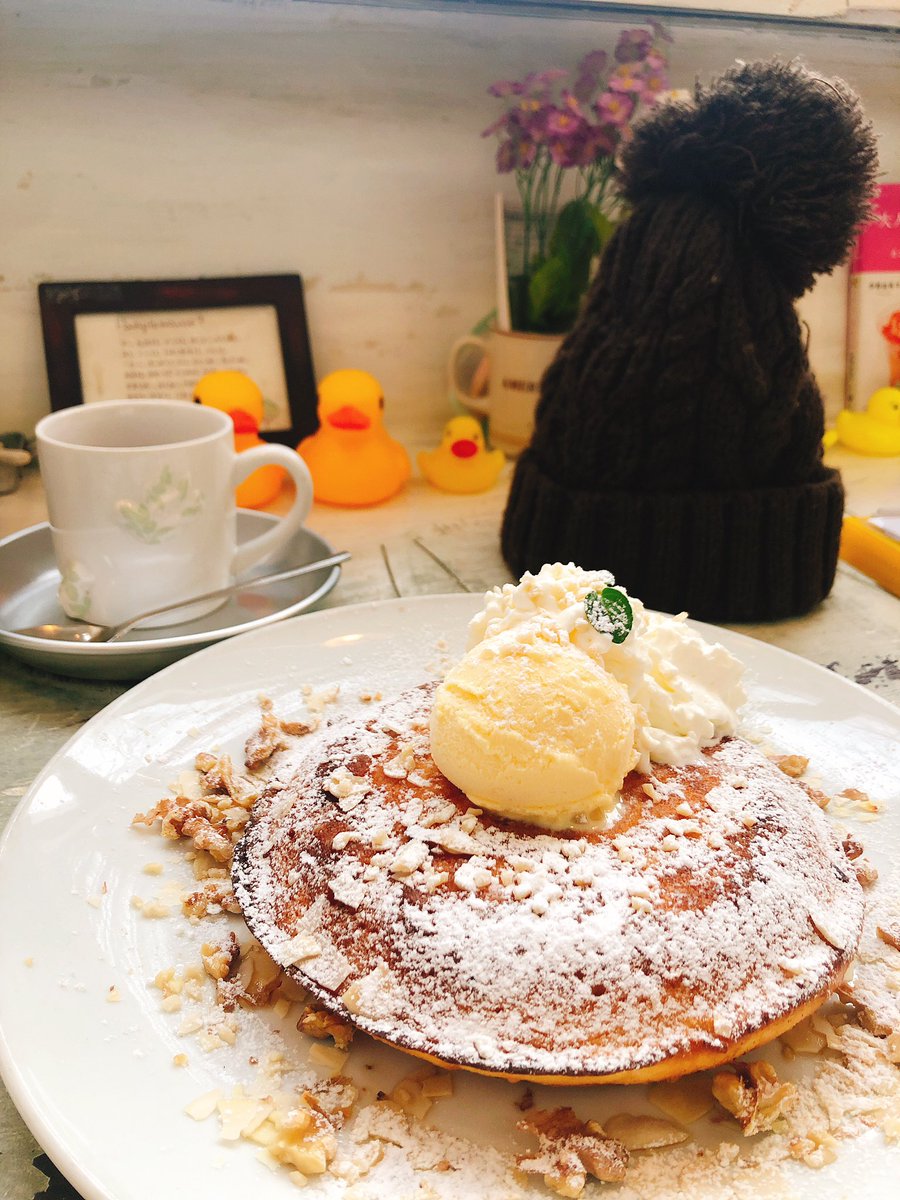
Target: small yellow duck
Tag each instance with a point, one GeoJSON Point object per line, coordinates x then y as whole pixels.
{"type": "Point", "coordinates": [875, 431]}
{"type": "Point", "coordinates": [462, 463]}
{"type": "Point", "coordinates": [237, 394]}
{"type": "Point", "coordinates": [351, 457]}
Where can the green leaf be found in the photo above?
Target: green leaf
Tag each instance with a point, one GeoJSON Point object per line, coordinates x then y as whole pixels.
{"type": "Point", "coordinates": [519, 303]}
{"type": "Point", "coordinates": [550, 297]}
{"type": "Point", "coordinates": [558, 284]}
{"type": "Point", "coordinates": [610, 612]}
{"type": "Point", "coordinates": [604, 227]}
{"type": "Point", "coordinates": [575, 235]}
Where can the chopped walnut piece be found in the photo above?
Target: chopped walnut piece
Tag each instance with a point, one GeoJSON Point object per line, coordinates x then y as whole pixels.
{"type": "Point", "coordinates": [220, 959]}
{"type": "Point", "coordinates": [194, 819]}
{"type": "Point", "coordinates": [220, 780]}
{"type": "Point", "coordinates": [299, 728]}
{"type": "Point", "coordinates": [890, 935]}
{"type": "Point", "coordinates": [753, 1095]}
{"type": "Point", "coordinates": [266, 741]}
{"type": "Point", "coordinates": [570, 1149]}
{"type": "Point", "coordinates": [793, 765]}
{"type": "Point", "coordinates": [816, 794]}
{"type": "Point", "coordinates": [209, 837]}
{"type": "Point", "coordinates": [851, 847]}
{"type": "Point", "coordinates": [817, 1149]}
{"type": "Point", "coordinates": [213, 897]}
{"type": "Point", "coordinates": [318, 1022]}
{"type": "Point", "coordinates": [255, 982]}
{"type": "Point", "coordinates": [866, 873]}
{"type": "Point", "coordinates": [171, 813]}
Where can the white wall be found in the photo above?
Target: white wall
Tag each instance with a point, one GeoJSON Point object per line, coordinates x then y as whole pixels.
{"type": "Point", "coordinates": [174, 138]}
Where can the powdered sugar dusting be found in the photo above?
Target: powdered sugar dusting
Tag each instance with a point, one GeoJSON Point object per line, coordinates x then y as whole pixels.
{"type": "Point", "coordinates": [515, 950]}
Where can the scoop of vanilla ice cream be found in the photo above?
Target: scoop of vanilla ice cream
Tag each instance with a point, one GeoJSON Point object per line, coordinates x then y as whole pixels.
{"type": "Point", "coordinates": [684, 691]}
{"type": "Point", "coordinates": [529, 726]}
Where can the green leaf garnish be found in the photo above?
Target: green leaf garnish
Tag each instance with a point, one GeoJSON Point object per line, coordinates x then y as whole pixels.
{"type": "Point", "coordinates": [609, 612]}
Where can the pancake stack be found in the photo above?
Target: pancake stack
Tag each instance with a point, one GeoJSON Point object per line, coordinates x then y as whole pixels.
{"type": "Point", "coordinates": [714, 910]}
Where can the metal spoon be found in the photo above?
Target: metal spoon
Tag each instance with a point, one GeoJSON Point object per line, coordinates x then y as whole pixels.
{"type": "Point", "coordinates": [84, 632]}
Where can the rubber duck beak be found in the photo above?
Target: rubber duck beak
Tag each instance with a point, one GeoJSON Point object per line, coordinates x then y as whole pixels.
{"type": "Point", "coordinates": [244, 422]}
{"type": "Point", "coordinates": [348, 417]}
{"type": "Point", "coordinates": [464, 448]}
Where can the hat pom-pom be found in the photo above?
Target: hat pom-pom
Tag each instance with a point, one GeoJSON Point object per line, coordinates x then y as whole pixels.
{"type": "Point", "coordinates": [790, 153]}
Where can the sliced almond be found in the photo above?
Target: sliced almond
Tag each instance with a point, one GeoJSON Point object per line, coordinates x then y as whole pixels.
{"type": "Point", "coordinates": [826, 931]}
{"type": "Point", "coordinates": [644, 1133]}
{"type": "Point", "coordinates": [685, 1100]}
{"type": "Point", "coordinates": [803, 1039]}
{"type": "Point", "coordinates": [204, 1106]}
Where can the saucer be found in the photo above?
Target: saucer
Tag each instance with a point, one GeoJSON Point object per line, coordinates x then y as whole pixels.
{"type": "Point", "coordinates": [29, 579]}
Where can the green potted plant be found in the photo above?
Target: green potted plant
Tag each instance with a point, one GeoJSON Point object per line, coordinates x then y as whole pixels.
{"type": "Point", "coordinates": [559, 135]}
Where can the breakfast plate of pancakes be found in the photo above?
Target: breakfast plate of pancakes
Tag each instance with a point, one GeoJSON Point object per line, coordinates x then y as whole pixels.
{"type": "Point", "coordinates": [87, 1050]}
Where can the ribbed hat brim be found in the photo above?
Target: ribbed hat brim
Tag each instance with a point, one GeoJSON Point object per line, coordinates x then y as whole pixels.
{"type": "Point", "coordinates": [754, 554]}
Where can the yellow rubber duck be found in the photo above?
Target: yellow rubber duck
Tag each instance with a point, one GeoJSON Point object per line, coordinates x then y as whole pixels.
{"type": "Point", "coordinates": [237, 394]}
{"type": "Point", "coordinates": [352, 458]}
{"type": "Point", "coordinates": [462, 463]}
{"type": "Point", "coordinates": [875, 431]}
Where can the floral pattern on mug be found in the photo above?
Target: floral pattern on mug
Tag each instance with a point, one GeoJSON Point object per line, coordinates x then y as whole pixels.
{"type": "Point", "coordinates": [74, 591]}
{"type": "Point", "coordinates": [167, 505]}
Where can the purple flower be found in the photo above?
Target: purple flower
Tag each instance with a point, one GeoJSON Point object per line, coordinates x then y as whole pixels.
{"type": "Point", "coordinates": [539, 83]}
{"type": "Point", "coordinates": [654, 85]}
{"type": "Point", "coordinates": [515, 155]}
{"type": "Point", "coordinates": [567, 151]}
{"type": "Point", "coordinates": [529, 119]}
{"type": "Point", "coordinates": [584, 146]}
{"type": "Point", "coordinates": [593, 63]}
{"type": "Point", "coordinates": [600, 142]}
{"type": "Point", "coordinates": [615, 108]}
{"type": "Point", "coordinates": [506, 87]}
{"type": "Point", "coordinates": [496, 126]}
{"type": "Point", "coordinates": [563, 122]}
{"type": "Point", "coordinates": [626, 78]}
{"type": "Point", "coordinates": [656, 61]}
{"type": "Point", "coordinates": [590, 70]}
{"type": "Point", "coordinates": [633, 45]}
{"type": "Point", "coordinates": [584, 87]}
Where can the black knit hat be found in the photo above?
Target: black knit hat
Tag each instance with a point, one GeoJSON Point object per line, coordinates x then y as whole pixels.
{"type": "Point", "coordinates": [678, 438]}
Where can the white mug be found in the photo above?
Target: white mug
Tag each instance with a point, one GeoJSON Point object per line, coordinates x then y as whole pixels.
{"type": "Point", "coordinates": [500, 377]}
{"type": "Point", "coordinates": [141, 501]}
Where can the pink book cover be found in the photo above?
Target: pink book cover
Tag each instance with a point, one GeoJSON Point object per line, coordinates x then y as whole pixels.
{"type": "Point", "coordinates": [873, 312]}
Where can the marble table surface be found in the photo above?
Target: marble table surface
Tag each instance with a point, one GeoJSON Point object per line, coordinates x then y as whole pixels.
{"type": "Point", "coordinates": [855, 632]}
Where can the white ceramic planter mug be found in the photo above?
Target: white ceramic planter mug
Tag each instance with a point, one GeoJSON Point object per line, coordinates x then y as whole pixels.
{"type": "Point", "coordinates": [142, 510]}
{"type": "Point", "coordinates": [499, 377]}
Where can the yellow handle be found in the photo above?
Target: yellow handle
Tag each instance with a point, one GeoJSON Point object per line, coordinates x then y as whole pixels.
{"type": "Point", "coordinates": [872, 552]}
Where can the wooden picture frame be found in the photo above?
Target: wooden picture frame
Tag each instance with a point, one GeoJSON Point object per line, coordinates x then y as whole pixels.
{"type": "Point", "coordinates": [137, 339]}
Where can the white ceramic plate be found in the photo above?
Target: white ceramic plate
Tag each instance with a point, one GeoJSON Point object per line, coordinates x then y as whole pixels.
{"type": "Point", "coordinates": [95, 1081]}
